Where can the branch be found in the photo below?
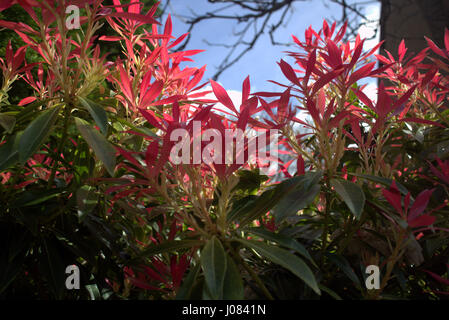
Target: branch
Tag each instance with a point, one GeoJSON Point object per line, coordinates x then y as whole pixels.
{"type": "Point", "coordinates": [259, 17]}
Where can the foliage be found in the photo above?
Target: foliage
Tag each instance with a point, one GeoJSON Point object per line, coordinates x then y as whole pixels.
{"type": "Point", "coordinates": [87, 176]}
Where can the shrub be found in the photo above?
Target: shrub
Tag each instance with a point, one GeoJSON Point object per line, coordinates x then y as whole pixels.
{"type": "Point", "coordinates": [129, 170]}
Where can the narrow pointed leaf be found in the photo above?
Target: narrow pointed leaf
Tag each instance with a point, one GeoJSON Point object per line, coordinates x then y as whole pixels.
{"type": "Point", "coordinates": [213, 262]}
{"type": "Point", "coordinates": [36, 133]}
{"type": "Point", "coordinates": [7, 122]}
{"type": "Point", "coordinates": [233, 284]}
{"type": "Point", "coordinates": [282, 240]}
{"type": "Point", "coordinates": [97, 112]}
{"type": "Point", "coordinates": [100, 145]}
{"type": "Point", "coordinates": [9, 152]}
{"type": "Point", "coordinates": [344, 265]}
{"type": "Point", "coordinates": [351, 194]}
{"type": "Point", "coordinates": [170, 246]}
{"type": "Point", "coordinates": [385, 181]}
{"type": "Point", "coordinates": [305, 190]}
{"type": "Point", "coordinates": [285, 259]}
{"type": "Point", "coordinates": [186, 288]}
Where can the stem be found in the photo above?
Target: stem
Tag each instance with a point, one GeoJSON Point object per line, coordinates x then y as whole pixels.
{"type": "Point", "coordinates": [390, 264]}
{"type": "Point", "coordinates": [254, 275]}
{"type": "Point", "coordinates": [61, 144]}
{"type": "Point", "coordinates": [326, 224]}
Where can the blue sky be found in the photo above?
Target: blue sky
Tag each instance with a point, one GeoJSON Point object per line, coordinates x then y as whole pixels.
{"type": "Point", "coordinates": [260, 63]}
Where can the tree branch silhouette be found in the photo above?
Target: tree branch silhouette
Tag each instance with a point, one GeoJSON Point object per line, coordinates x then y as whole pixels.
{"type": "Point", "coordinates": [260, 17]}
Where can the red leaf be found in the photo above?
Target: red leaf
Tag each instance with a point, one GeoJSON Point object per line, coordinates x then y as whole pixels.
{"type": "Point", "coordinates": [288, 72]}
{"type": "Point", "coordinates": [168, 26]}
{"type": "Point", "coordinates": [356, 55]}
{"type": "Point", "coordinates": [424, 121]}
{"type": "Point", "coordinates": [393, 196]}
{"type": "Point", "coordinates": [300, 165]}
{"type": "Point", "coordinates": [246, 89]}
{"type": "Point", "coordinates": [405, 97]}
{"type": "Point", "coordinates": [325, 79]}
{"type": "Point", "coordinates": [153, 92]}
{"type": "Point", "coordinates": [310, 65]}
{"type": "Point", "coordinates": [334, 54]}
{"type": "Point", "coordinates": [6, 4]}
{"type": "Point", "coordinates": [134, 17]}
{"type": "Point", "coordinates": [402, 50]}
{"type": "Point", "coordinates": [222, 96]}
{"type": "Point", "coordinates": [125, 83]}
{"type": "Point", "coordinates": [27, 100]}
{"type": "Point", "coordinates": [422, 221]}
{"type": "Point", "coordinates": [421, 202]}
{"type": "Point", "coordinates": [364, 98]}
{"type": "Point", "coordinates": [435, 48]}
{"type": "Point", "coordinates": [177, 41]}
{"type": "Point", "coordinates": [118, 5]}
{"type": "Point", "coordinates": [151, 118]}
{"type": "Point", "coordinates": [360, 73]}
{"type": "Point", "coordinates": [110, 38]}
{"type": "Point", "coordinates": [438, 278]}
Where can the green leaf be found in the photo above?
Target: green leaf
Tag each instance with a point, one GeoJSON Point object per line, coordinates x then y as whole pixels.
{"type": "Point", "coordinates": [233, 284]}
{"type": "Point", "coordinates": [94, 293]}
{"type": "Point", "coordinates": [305, 190]}
{"type": "Point", "coordinates": [344, 265]}
{"type": "Point", "coordinates": [266, 201]}
{"type": "Point", "coordinates": [101, 146]}
{"type": "Point", "coordinates": [187, 286]}
{"type": "Point", "coordinates": [250, 181]}
{"type": "Point", "coordinates": [330, 292]}
{"type": "Point", "coordinates": [97, 112]}
{"type": "Point", "coordinates": [34, 197]}
{"type": "Point", "coordinates": [13, 255]}
{"type": "Point", "coordinates": [385, 181]}
{"type": "Point", "coordinates": [36, 133]}
{"type": "Point", "coordinates": [240, 207]}
{"type": "Point", "coordinates": [282, 240]}
{"type": "Point", "coordinates": [214, 264]}
{"type": "Point", "coordinates": [9, 152]}
{"type": "Point", "coordinates": [87, 200]}
{"type": "Point", "coordinates": [352, 195]}
{"type": "Point", "coordinates": [142, 130]}
{"type": "Point", "coordinates": [285, 259]}
{"type": "Point", "coordinates": [30, 109]}
{"type": "Point", "coordinates": [443, 149]}
{"type": "Point", "coordinates": [7, 122]}
{"type": "Point", "coordinates": [54, 267]}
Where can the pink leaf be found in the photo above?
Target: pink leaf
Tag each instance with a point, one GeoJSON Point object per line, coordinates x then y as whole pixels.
{"type": "Point", "coordinates": [152, 93]}
{"type": "Point", "coordinates": [27, 100]}
{"type": "Point", "coordinates": [222, 96]}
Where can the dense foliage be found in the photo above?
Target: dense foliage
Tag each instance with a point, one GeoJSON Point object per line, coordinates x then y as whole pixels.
{"type": "Point", "coordinates": [87, 177]}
